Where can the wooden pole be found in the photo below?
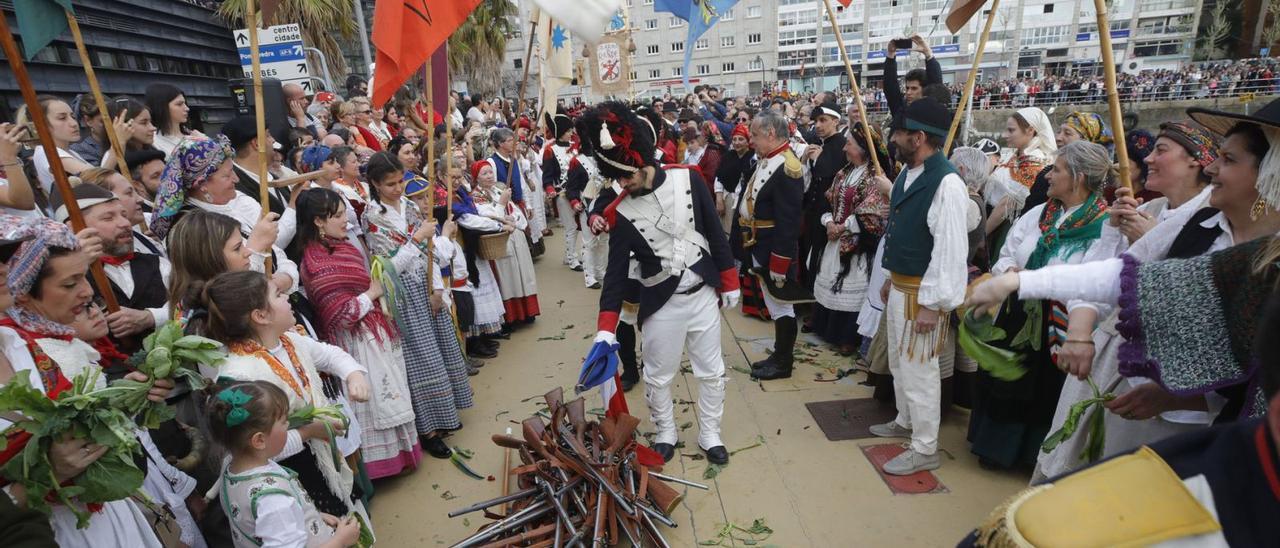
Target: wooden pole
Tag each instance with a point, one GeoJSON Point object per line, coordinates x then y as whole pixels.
{"type": "Point", "coordinates": [426, 90]}
{"type": "Point", "coordinates": [524, 81]}
{"type": "Point", "coordinates": [38, 118]}
{"type": "Point", "coordinates": [448, 159]}
{"type": "Point", "coordinates": [1113, 97]}
{"type": "Point", "coordinates": [260, 113]}
{"type": "Point", "coordinates": [973, 76]}
{"type": "Point", "coordinates": [857, 91]}
{"type": "Point", "coordinates": [117, 148]}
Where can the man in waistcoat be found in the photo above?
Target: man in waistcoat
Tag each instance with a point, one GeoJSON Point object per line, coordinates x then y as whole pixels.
{"type": "Point", "coordinates": [926, 244]}
{"type": "Point", "coordinates": [138, 280]}
{"type": "Point", "coordinates": [664, 234]}
{"type": "Point", "coordinates": [767, 231]}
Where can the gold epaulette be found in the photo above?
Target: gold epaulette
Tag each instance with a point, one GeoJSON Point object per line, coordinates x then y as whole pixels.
{"type": "Point", "coordinates": [791, 164]}
{"type": "Point", "coordinates": [1134, 500]}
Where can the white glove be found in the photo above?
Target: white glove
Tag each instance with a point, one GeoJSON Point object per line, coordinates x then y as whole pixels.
{"type": "Point", "coordinates": [730, 299]}
{"type": "Point", "coordinates": [778, 279]}
{"type": "Point", "coordinates": [606, 337]}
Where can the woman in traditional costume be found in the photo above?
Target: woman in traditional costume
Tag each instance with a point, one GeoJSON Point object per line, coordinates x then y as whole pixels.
{"type": "Point", "coordinates": [1030, 134]}
{"type": "Point", "coordinates": [336, 277]}
{"type": "Point", "coordinates": [487, 323]}
{"type": "Point", "coordinates": [1012, 412]}
{"type": "Point", "coordinates": [854, 227]}
{"type": "Point", "coordinates": [434, 365]}
{"type": "Point", "coordinates": [516, 279]}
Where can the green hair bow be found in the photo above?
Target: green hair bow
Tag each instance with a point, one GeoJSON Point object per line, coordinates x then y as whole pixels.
{"type": "Point", "coordinates": [237, 399]}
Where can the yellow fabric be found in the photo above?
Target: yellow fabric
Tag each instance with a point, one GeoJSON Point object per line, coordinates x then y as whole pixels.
{"type": "Point", "coordinates": [1134, 500]}
{"type": "Point", "coordinates": [792, 165]}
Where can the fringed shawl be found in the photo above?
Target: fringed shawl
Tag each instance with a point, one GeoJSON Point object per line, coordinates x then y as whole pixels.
{"type": "Point", "coordinates": [855, 195]}
{"type": "Point", "coordinates": [334, 274]}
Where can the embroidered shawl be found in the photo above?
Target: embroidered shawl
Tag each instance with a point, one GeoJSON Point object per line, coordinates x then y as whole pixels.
{"type": "Point", "coordinates": [855, 195]}
{"type": "Point", "coordinates": [334, 274]}
{"type": "Point", "coordinates": [1074, 235]}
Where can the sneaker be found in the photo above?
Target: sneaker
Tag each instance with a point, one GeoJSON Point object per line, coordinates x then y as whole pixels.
{"type": "Point", "coordinates": [890, 429]}
{"type": "Point", "coordinates": [910, 462]}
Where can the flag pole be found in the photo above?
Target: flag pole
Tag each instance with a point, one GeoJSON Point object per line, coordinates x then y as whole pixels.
{"type": "Point", "coordinates": [38, 119]}
{"type": "Point", "coordinates": [260, 113]}
{"type": "Point", "coordinates": [117, 148]}
{"type": "Point", "coordinates": [524, 82]}
{"type": "Point", "coordinates": [1113, 97]}
{"type": "Point", "coordinates": [857, 92]}
{"type": "Point", "coordinates": [973, 76]}
{"type": "Point", "coordinates": [431, 141]}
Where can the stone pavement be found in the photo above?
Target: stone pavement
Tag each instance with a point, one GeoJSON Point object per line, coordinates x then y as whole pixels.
{"type": "Point", "coordinates": [810, 491]}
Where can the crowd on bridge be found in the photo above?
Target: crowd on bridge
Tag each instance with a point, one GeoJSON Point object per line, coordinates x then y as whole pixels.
{"type": "Point", "coordinates": [389, 249]}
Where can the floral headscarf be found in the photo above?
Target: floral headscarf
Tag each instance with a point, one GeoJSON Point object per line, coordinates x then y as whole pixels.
{"type": "Point", "coordinates": [1091, 126]}
{"type": "Point", "coordinates": [187, 169]}
{"type": "Point", "coordinates": [1200, 144]}
{"type": "Point", "coordinates": [37, 236]}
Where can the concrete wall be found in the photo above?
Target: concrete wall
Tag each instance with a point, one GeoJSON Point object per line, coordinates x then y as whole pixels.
{"type": "Point", "coordinates": [990, 123]}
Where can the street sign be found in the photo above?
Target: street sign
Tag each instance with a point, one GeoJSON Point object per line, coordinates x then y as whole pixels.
{"type": "Point", "coordinates": [281, 54]}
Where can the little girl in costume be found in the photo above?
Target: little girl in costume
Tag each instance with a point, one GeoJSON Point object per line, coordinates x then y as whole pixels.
{"type": "Point", "coordinates": [265, 502]}
{"type": "Point", "coordinates": [254, 319]}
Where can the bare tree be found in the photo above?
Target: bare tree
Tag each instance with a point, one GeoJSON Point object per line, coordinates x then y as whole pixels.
{"type": "Point", "coordinates": [1271, 33]}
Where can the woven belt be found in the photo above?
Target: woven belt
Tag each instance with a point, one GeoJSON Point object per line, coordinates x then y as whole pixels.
{"type": "Point", "coordinates": [909, 285]}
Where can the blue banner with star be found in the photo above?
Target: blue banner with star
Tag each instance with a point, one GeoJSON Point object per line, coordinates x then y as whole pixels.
{"type": "Point", "coordinates": [701, 16]}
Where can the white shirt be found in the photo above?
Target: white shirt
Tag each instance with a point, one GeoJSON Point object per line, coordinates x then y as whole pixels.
{"type": "Point", "coordinates": [247, 211]}
{"type": "Point", "coordinates": [288, 222]}
{"type": "Point", "coordinates": [943, 284]}
{"type": "Point", "coordinates": [1025, 234]}
{"type": "Point", "coordinates": [122, 277]}
{"type": "Point", "coordinates": [45, 173]}
{"type": "Point", "coordinates": [327, 358]}
{"type": "Point", "coordinates": [280, 521]}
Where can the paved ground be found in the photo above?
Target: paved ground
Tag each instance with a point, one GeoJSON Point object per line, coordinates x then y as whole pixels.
{"type": "Point", "coordinates": [810, 491]}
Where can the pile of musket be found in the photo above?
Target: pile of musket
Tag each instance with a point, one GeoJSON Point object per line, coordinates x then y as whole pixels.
{"type": "Point", "coordinates": [580, 483]}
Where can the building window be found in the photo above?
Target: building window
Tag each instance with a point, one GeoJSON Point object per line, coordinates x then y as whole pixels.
{"type": "Point", "coordinates": [105, 59]}
{"type": "Point", "coordinates": [654, 74]}
{"type": "Point", "coordinates": [755, 65]}
{"type": "Point", "coordinates": [628, 3]}
{"type": "Point", "coordinates": [677, 47]}
{"type": "Point", "coordinates": [648, 2]}
{"type": "Point", "coordinates": [727, 15]}
{"type": "Point", "coordinates": [726, 41]}
{"type": "Point", "coordinates": [633, 76]}
{"type": "Point", "coordinates": [703, 70]}
{"type": "Point", "coordinates": [650, 24]}
{"type": "Point", "coordinates": [753, 38]}
{"type": "Point", "coordinates": [726, 67]}
{"type": "Point", "coordinates": [677, 71]}
{"type": "Point", "coordinates": [753, 11]}
{"type": "Point", "coordinates": [1048, 8]}
{"type": "Point", "coordinates": [702, 43]}
{"type": "Point", "coordinates": [1160, 48]}
{"type": "Point", "coordinates": [676, 22]}
{"type": "Point", "coordinates": [651, 49]}
{"type": "Point", "coordinates": [519, 63]}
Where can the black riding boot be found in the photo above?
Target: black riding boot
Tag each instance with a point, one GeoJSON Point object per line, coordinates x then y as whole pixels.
{"type": "Point", "coordinates": [778, 365]}
{"type": "Point", "coordinates": [626, 335]}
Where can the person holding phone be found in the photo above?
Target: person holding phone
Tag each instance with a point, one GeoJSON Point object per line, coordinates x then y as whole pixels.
{"type": "Point", "coordinates": [915, 80]}
{"type": "Point", "coordinates": [16, 197]}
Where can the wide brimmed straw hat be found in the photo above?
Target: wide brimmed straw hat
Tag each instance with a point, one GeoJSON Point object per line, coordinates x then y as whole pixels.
{"type": "Point", "coordinates": [1220, 121]}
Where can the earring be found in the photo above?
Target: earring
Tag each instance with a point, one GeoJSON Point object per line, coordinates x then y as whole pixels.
{"type": "Point", "coordinates": [1258, 210]}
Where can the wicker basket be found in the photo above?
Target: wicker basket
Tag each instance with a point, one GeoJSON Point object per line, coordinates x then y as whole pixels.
{"type": "Point", "coordinates": [493, 246]}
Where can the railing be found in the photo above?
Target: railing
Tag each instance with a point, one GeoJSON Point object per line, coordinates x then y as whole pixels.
{"type": "Point", "coordinates": [995, 98]}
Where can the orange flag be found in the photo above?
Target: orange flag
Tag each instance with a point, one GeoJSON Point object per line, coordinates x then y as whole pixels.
{"type": "Point", "coordinates": [405, 33]}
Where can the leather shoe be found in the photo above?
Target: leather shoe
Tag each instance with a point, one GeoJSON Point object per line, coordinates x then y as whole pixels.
{"type": "Point", "coordinates": [771, 371]}
{"type": "Point", "coordinates": [716, 455]}
{"type": "Point", "coordinates": [628, 383]}
{"type": "Point", "coordinates": [474, 362]}
{"type": "Point", "coordinates": [481, 351]}
{"type": "Point", "coordinates": [436, 447]}
{"type": "Point", "coordinates": [471, 371]}
{"type": "Point", "coordinates": [667, 451]}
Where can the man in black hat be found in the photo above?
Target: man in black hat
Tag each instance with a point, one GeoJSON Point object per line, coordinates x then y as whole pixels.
{"type": "Point", "coordinates": [926, 247]}
{"type": "Point", "coordinates": [556, 160]}
{"type": "Point", "coordinates": [767, 231]}
{"type": "Point", "coordinates": [138, 280]}
{"type": "Point", "coordinates": [665, 223]}
{"type": "Point", "coordinates": [242, 133]}
{"type": "Point", "coordinates": [825, 156]}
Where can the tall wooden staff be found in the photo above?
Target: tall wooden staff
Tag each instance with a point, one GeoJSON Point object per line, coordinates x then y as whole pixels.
{"type": "Point", "coordinates": [857, 91]}
{"type": "Point", "coordinates": [431, 154]}
{"type": "Point", "coordinates": [260, 113]}
{"type": "Point", "coordinates": [973, 75]}
{"type": "Point", "coordinates": [51, 152]}
{"type": "Point", "coordinates": [524, 81]}
{"type": "Point", "coordinates": [117, 148]}
{"type": "Point", "coordinates": [1113, 97]}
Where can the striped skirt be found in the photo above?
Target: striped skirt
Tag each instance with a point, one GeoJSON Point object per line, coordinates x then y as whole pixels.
{"type": "Point", "coordinates": [436, 370]}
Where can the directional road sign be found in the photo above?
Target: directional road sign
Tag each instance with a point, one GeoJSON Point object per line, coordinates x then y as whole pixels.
{"type": "Point", "coordinates": [280, 52]}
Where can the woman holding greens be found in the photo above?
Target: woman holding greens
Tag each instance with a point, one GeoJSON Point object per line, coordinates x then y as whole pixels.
{"type": "Point", "coordinates": [1019, 383]}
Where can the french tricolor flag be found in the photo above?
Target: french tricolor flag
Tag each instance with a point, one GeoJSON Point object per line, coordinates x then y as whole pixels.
{"type": "Point", "coordinates": [600, 369]}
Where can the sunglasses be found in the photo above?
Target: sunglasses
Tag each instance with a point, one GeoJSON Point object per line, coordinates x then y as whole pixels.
{"type": "Point", "coordinates": [364, 112]}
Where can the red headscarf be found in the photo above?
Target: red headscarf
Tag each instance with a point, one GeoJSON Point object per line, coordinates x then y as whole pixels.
{"type": "Point", "coordinates": [744, 131]}
{"type": "Point", "coordinates": [475, 169]}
